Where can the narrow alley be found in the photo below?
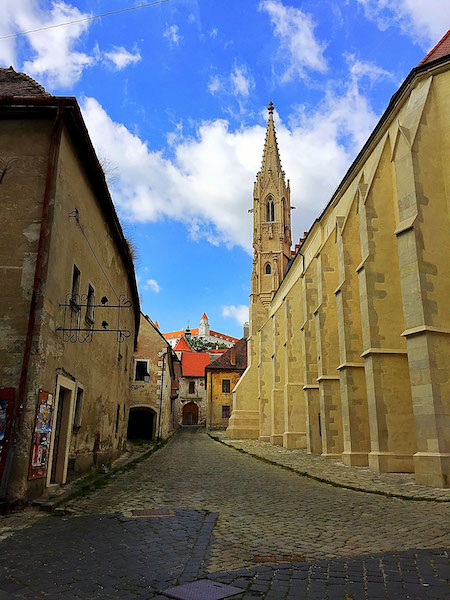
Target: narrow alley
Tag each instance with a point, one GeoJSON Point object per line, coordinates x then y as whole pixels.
{"type": "Point", "coordinates": [197, 509]}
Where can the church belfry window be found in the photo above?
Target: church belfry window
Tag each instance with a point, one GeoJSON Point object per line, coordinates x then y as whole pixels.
{"type": "Point", "coordinates": [268, 269]}
{"type": "Point", "coordinates": [270, 210]}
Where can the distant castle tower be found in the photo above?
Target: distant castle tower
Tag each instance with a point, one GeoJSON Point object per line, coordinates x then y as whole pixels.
{"type": "Point", "coordinates": [271, 221]}
{"type": "Point", "coordinates": [203, 329]}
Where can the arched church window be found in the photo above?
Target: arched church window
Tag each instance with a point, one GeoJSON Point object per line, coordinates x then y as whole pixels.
{"type": "Point", "coordinates": [270, 210]}
{"type": "Point", "coordinates": [268, 269]}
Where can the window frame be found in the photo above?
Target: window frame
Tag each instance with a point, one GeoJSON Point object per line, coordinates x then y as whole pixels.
{"type": "Point", "coordinates": [226, 411]}
{"type": "Point", "coordinates": [78, 408]}
{"type": "Point", "coordinates": [89, 316]}
{"type": "Point", "coordinates": [228, 381]}
{"type": "Point", "coordinates": [75, 288]}
{"type": "Point", "coordinates": [141, 360]}
{"type": "Point", "coordinates": [191, 384]}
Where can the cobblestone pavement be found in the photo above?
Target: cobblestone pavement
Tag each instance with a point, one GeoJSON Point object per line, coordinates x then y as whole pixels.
{"type": "Point", "coordinates": [315, 541]}
{"type": "Point", "coordinates": [318, 467]}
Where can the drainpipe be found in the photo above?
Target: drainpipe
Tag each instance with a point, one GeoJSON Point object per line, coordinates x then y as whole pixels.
{"type": "Point", "coordinates": [20, 401]}
{"type": "Point", "coordinates": [161, 397]}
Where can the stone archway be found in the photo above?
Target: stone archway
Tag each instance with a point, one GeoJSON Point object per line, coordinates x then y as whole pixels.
{"type": "Point", "coordinates": [141, 423]}
{"type": "Point", "coordinates": [190, 414]}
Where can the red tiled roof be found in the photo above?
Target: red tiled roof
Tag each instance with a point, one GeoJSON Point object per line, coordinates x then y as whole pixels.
{"type": "Point", "coordinates": [441, 49]}
{"type": "Point", "coordinates": [175, 334]}
{"type": "Point", "coordinates": [194, 332]}
{"type": "Point", "coordinates": [240, 358]}
{"type": "Point", "coordinates": [204, 316]}
{"type": "Point", "coordinates": [225, 337]}
{"type": "Point", "coordinates": [183, 345]}
{"type": "Point", "coordinates": [194, 363]}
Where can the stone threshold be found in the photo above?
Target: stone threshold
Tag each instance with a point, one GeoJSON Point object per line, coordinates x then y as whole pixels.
{"type": "Point", "coordinates": [334, 472]}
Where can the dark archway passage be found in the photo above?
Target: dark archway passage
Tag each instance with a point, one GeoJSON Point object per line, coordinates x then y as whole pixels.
{"type": "Point", "coordinates": [141, 424]}
{"type": "Point", "coordinates": [190, 414]}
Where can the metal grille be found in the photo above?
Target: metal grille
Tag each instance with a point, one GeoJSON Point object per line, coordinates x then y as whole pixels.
{"type": "Point", "coordinates": [202, 590]}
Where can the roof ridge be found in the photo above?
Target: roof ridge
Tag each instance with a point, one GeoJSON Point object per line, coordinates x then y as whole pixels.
{"type": "Point", "coordinates": [433, 50]}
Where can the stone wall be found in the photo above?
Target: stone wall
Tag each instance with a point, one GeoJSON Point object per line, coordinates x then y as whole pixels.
{"type": "Point", "coordinates": [351, 356]}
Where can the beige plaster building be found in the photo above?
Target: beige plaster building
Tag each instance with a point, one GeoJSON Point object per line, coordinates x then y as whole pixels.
{"type": "Point", "coordinates": [69, 306]}
{"type": "Point", "coordinates": [221, 376]}
{"type": "Point", "coordinates": [349, 340]}
{"type": "Point", "coordinates": [152, 407]}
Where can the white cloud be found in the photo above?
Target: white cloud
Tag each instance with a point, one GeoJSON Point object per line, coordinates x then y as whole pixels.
{"type": "Point", "coordinates": [215, 84]}
{"type": "Point", "coordinates": [239, 313]}
{"type": "Point", "coordinates": [121, 58]}
{"type": "Point", "coordinates": [213, 33]}
{"type": "Point", "coordinates": [55, 59]}
{"type": "Point", "coordinates": [299, 48]}
{"type": "Point", "coordinates": [425, 21]}
{"type": "Point", "coordinates": [360, 69]}
{"type": "Point", "coordinates": [171, 33]}
{"type": "Point", "coordinates": [207, 182]}
{"type": "Point", "coordinates": [241, 81]}
{"type": "Point", "coordinates": [152, 284]}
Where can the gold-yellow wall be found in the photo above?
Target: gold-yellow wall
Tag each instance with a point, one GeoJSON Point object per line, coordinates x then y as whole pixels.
{"type": "Point", "coordinates": [352, 355]}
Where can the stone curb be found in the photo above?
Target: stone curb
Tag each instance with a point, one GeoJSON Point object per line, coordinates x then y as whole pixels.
{"type": "Point", "coordinates": [329, 481]}
{"type": "Point", "coordinates": [78, 488]}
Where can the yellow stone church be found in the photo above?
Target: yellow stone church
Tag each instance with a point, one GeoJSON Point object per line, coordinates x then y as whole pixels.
{"type": "Point", "coordinates": [349, 347]}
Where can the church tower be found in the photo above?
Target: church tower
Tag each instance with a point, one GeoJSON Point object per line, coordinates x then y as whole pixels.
{"type": "Point", "coordinates": [271, 221]}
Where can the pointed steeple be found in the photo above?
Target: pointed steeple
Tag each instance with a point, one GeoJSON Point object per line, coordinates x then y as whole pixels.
{"type": "Point", "coordinates": [271, 157]}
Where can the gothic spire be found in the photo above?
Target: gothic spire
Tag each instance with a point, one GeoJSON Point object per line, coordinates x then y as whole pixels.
{"type": "Point", "coordinates": [271, 158]}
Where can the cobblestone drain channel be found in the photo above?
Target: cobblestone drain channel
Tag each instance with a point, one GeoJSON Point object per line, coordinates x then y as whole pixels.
{"type": "Point", "coordinates": [224, 514]}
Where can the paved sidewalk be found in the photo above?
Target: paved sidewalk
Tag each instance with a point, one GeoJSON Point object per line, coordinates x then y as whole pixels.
{"type": "Point", "coordinates": [397, 485]}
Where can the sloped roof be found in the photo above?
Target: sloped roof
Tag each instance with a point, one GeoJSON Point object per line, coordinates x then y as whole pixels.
{"type": "Point", "coordinates": [194, 332]}
{"type": "Point", "coordinates": [204, 316]}
{"type": "Point", "coordinates": [183, 345]}
{"type": "Point", "coordinates": [225, 362]}
{"type": "Point", "coordinates": [441, 49]}
{"type": "Point", "coordinates": [193, 363]}
{"type": "Point", "coordinates": [19, 84]}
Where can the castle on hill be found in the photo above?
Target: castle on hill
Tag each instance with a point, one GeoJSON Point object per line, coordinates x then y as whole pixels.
{"type": "Point", "coordinates": [203, 332]}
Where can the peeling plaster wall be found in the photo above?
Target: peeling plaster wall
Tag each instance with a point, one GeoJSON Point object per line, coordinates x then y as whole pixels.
{"type": "Point", "coordinates": [156, 393]}
{"type": "Point", "coordinates": [102, 367]}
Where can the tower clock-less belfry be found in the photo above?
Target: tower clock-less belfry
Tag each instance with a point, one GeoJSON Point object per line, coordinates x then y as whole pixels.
{"type": "Point", "coordinates": [271, 253]}
{"type": "Point", "coordinates": [271, 222]}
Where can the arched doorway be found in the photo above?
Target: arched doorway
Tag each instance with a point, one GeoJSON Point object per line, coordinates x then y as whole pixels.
{"type": "Point", "coordinates": [190, 414]}
{"type": "Point", "coordinates": [141, 423]}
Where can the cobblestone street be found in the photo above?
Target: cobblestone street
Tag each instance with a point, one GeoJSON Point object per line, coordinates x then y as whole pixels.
{"type": "Point", "coordinates": [234, 519]}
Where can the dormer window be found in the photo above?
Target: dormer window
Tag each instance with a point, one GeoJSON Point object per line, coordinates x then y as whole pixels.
{"type": "Point", "coordinates": [270, 210]}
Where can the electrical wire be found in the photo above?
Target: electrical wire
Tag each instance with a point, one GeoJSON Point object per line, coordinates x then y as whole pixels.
{"type": "Point", "coordinates": [114, 12]}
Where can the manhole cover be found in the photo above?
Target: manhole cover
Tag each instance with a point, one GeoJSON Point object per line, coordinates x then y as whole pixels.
{"type": "Point", "coordinates": [202, 590]}
{"type": "Point", "coordinates": [149, 512]}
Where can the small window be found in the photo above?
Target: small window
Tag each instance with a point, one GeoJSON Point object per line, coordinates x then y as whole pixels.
{"type": "Point", "coordinates": [141, 371]}
{"type": "Point", "coordinates": [78, 408]}
{"type": "Point", "coordinates": [270, 210]}
{"type": "Point", "coordinates": [192, 387]}
{"type": "Point", "coordinates": [90, 301]}
{"type": "Point", "coordinates": [75, 298]}
{"type": "Point", "coordinates": [268, 269]}
{"type": "Point", "coordinates": [226, 412]}
{"type": "Point", "coordinates": [225, 386]}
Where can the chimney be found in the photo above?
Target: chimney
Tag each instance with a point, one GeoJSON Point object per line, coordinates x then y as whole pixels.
{"type": "Point", "coordinates": [246, 330]}
{"type": "Point", "coordinates": [233, 356]}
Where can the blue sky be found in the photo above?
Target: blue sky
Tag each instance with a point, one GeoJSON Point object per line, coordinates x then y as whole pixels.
{"type": "Point", "coordinates": [175, 97]}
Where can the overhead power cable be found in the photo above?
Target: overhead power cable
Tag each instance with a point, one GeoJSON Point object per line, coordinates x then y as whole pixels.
{"type": "Point", "coordinates": [91, 18]}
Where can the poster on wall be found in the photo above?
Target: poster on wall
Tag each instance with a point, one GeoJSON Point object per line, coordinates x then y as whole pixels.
{"type": "Point", "coordinates": [41, 436]}
{"type": "Point", "coordinates": [6, 409]}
